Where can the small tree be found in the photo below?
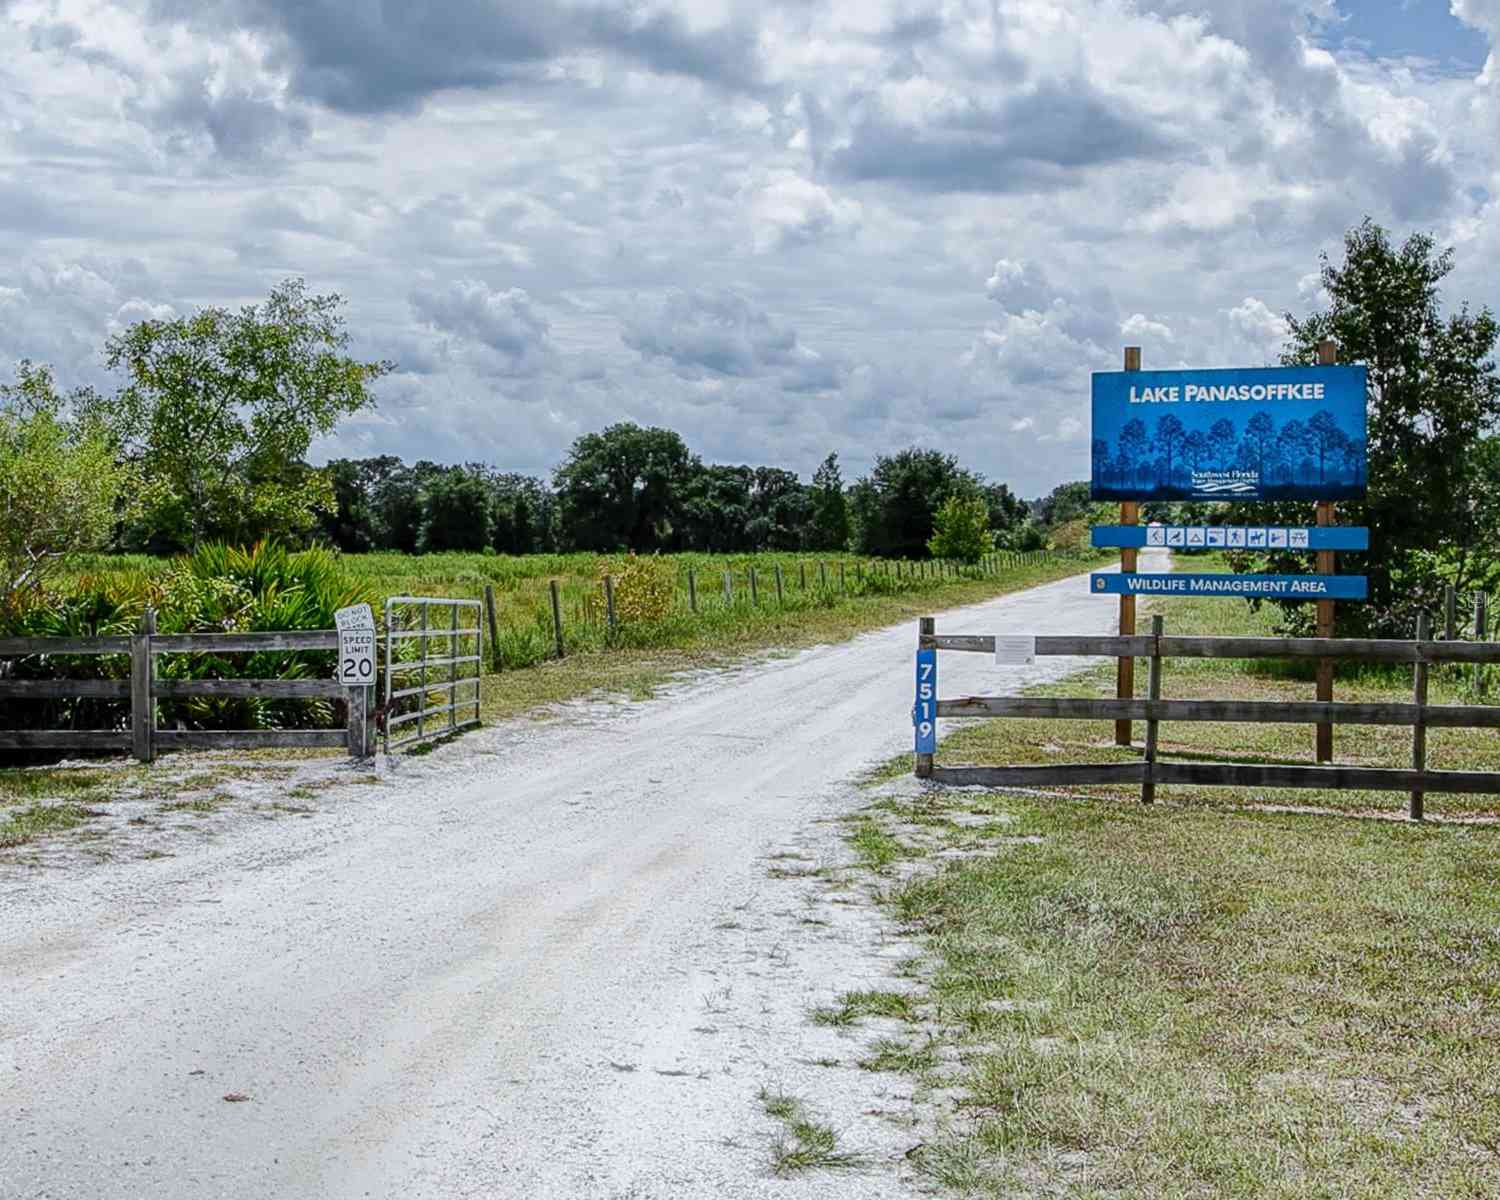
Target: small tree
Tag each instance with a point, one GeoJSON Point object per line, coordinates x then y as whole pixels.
{"type": "Point", "coordinates": [221, 407]}
{"type": "Point", "coordinates": [61, 488]}
{"type": "Point", "coordinates": [829, 528]}
{"type": "Point", "coordinates": [962, 529]}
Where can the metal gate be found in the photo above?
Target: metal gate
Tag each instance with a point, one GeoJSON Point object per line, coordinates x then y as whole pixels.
{"type": "Point", "coordinates": [412, 624]}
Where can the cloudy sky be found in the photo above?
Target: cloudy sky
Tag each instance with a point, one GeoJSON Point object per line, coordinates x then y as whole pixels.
{"type": "Point", "coordinates": [782, 227]}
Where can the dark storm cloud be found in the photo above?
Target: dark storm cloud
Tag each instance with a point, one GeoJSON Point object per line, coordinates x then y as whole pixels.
{"type": "Point", "coordinates": [1034, 142]}
{"type": "Point", "coordinates": [369, 56]}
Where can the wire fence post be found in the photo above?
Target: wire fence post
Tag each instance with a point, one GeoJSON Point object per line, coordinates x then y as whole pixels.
{"type": "Point", "coordinates": [609, 602]}
{"type": "Point", "coordinates": [802, 573]}
{"type": "Point", "coordinates": [557, 624]}
{"type": "Point", "coordinates": [1148, 784]}
{"type": "Point", "coordinates": [754, 591]}
{"type": "Point", "coordinates": [779, 600]}
{"type": "Point", "coordinates": [692, 591]}
{"type": "Point", "coordinates": [728, 589]}
{"type": "Point", "coordinates": [1419, 729]}
{"type": "Point", "coordinates": [489, 611]}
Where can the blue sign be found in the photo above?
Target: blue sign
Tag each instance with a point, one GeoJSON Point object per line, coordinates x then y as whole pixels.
{"type": "Point", "coordinates": [1275, 433]}
{"type": "Point", "coordinates": [924, 712]}
{"type": "Point", "coordinates": [1234, 537]}
{"type": "Point", "coordinates": [1265, 587]}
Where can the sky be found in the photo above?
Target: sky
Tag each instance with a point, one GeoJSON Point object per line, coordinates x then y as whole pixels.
{"type": "Point", "coordinates": [780, 227]}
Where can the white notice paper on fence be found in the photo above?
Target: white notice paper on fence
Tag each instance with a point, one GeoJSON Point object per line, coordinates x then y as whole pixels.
{"type": "Point", "coordinates": [1014, 651]}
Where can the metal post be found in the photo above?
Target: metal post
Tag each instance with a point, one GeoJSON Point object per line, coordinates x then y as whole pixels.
{"type": "Point", "coordinates": [1130, 511]}
{"type": "Point", "coordinates": [389, 642]}
{"type": "Point", "coordinates": [422, 695]}
{"type": "Point", "coordinates": [453, 670]}
{"type": "Point", "coordinates": [1419, 729]}
{"type": "Point", "coordinates": [557, 625]}
{"type": "Point", "coordinates": [1450, 613]}
{"type": "Point", "coordinates": [1148, 785]}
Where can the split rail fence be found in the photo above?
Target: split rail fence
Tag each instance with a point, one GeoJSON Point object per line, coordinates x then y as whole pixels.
{"type": "Point", "coordinates": [142, 689]}
{"type": "Point", "coordinates": [1421, 652]}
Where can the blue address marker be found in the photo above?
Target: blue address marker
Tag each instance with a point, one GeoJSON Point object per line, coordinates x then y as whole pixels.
{"type": "Point", "coordinates": [1266, 587]}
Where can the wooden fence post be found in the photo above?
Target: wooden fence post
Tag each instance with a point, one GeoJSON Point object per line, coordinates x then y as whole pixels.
{"type": "Point", "coordinates": [1419, 730]}
{"type": "Point", "coordinates": [1481, 631]}
{"type": "Point", "coordinates": [1148, 785]}
{"type": "Point", "coordinates": [142, 706]}
{"type": "Point", "coordinates": [692, 591]}
{"type": "Point", "coordinates": [754, 590]}
{"type": "Point", "coordinates": [926, 627]}
{"type": "Point", "coordinates": [557, 626]}
{"type": "Point", "coordinates": [779, 598]}
{"type": "Point", "coordinates": [1125, 666]}
{"type": "Point", "coordinates": [822, 575]}
{"type": "Point", "coordinates": [489, 611]}
{"type": "Point", "coordinates": [842, 588]}
{"type": "Point", "coordinates": [729, 589]}
{"type": "Point", "coordinates": [609, 602]}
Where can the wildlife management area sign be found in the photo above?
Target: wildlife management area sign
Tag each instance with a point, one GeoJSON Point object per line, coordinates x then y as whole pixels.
{"type": "Point", "coordinates": [1275, 433]}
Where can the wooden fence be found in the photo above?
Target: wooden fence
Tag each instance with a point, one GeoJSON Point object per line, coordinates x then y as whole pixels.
{"type": "Point", "coordinates": [142, 689]}
{"type": "Point", "coordinates": [1418, 715]}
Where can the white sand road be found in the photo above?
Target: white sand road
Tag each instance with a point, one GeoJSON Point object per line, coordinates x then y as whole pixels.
{"type": "Point", "coordinates": [551, 959]}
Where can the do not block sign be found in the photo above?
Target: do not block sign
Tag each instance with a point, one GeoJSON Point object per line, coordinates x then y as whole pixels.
{"type": "Point", "coordinates": [356, 626]}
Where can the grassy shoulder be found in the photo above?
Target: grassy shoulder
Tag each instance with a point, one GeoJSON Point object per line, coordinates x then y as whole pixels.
{"type": "Point", "coordinates": [1160, 1002]}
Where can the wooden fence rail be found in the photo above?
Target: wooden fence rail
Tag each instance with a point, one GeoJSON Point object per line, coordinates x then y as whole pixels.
{"type": "Point", "coordinates": [1422, 652]}
{"type": "Point", "coordinates": [143, 689]}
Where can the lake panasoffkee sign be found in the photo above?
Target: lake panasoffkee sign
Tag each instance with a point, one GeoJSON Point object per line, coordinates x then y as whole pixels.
{"type": "Point", "coordinates": [1273, 433]}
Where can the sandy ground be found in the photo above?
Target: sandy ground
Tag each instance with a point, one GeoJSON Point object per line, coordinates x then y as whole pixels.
{"type": "Point", "coordinates": [554, 958]}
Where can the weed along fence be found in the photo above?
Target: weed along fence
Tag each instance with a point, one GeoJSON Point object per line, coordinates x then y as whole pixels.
{"type": "Point", "coordinates": [143, 688]}
{"type": "Point", "coordinates": [414, 675]}
{"type": "Point", "coordinates": [1421, 652]}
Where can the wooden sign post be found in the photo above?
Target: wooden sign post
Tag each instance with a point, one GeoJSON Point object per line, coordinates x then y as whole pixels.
{"type": "Point", "coordinates": [1327, 357]}
{"type": "Point", "coordinates": [1130, 514]}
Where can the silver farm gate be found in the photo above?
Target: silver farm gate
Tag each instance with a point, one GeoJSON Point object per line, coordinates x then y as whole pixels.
{"type": "Point", "coordinates": [426, 695]}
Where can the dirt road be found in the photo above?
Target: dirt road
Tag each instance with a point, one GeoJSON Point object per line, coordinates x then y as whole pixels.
{"type": "Point", "coordinates": [550, 960]}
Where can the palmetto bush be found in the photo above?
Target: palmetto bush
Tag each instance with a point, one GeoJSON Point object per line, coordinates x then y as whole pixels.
{"type": "Point", "coordinates": [215, 589]}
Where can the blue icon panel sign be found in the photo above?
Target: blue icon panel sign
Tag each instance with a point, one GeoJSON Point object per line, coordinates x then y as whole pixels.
{"type": "Point", "coordinates": [1272, 433]}
{"type": "Point", "coordinates": [924, 712]}
{"type": "Point", "coordinates": [1264, 587]}
{"type": "Point", "coordinates": [1234, 537]}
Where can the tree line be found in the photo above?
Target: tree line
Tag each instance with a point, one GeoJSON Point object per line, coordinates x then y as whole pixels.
{"type": "Point", "coordinates": [628, 487]}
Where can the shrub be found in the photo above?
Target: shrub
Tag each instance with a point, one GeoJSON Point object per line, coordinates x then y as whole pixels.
{"type": "Point", "coordinates": [645, 588]}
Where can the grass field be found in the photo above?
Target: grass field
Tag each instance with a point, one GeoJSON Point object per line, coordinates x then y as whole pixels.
{"type": "Point", "coordinates": [1213, 996]}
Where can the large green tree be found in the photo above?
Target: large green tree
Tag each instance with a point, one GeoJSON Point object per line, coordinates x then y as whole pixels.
{"type": "Point", "coordinates": [829, 525]}
{"type": "Point", "coordinates": [221, 407]}
{"type": "Point", "coordinates": [1433, 396]}
{"type": "Point", "coordinates": [623, 488]}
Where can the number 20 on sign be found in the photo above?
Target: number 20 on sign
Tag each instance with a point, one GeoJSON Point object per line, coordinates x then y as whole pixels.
{"type": "Point", "coordinates": [924, 714]}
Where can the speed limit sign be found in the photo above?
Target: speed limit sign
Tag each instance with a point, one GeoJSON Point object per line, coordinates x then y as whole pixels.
{"type": "Point", "coordinates": [356, 625]}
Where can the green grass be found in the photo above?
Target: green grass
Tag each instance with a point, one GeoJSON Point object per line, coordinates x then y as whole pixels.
{"type": "Point", "coordinates": [24, 825]}
{"type": "Point", "coordinates": [804, 1144]}
{"type": "Point", "coordinates": [1158, 1002]}
{"type": "Point", "coordinates": [852, 1006]}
